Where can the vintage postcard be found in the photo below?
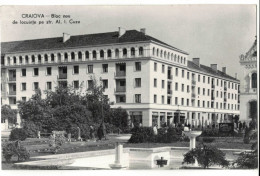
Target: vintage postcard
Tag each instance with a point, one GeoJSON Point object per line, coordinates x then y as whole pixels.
{"type": "Point", "coordinates": [151, 87]}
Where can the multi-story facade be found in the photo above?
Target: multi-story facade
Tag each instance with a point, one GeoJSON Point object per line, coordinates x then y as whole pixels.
{"type": "Point", "coordinates": [248, 95]}
{"type": "Point", "coordinates": [153, 81]}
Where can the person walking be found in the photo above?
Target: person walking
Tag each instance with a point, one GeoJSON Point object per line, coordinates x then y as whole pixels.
{"type": "Point", "coordinates": [155, 131]}
{"type": "Point", "coordinates": [100, 132]}
{"type": "Point", "coordinates": [92, 130]}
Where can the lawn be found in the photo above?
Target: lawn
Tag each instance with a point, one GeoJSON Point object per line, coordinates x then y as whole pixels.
{"type": "Point", "coordinates": [39, 147]}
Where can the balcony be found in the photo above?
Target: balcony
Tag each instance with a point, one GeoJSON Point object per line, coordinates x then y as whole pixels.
{"type": "Point", "coordinates": [193, 82]}
{"type": "Point", "coordinates": [11, 79]}
{"type": "Point", "coordinates": [170, 77]}
{"type": "Point", "coordinates": [120, 90]}
{"type": "Point", "coordinates": [62, 76]}
{"type": "Point", "coordinates": [169, 92]}
{"type": "Point", "coordinates": [12, 93]}
{"type": "Point", "coordinates": [120, 74]}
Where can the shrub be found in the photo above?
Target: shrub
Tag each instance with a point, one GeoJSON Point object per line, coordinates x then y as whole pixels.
{"type": "Point", "coordinates": [208, 140]}
{"type": "Point", "coordinates": [15, 149]}
{"type": "Point", "coordinates": [56, 142]}
{"type": "Point", "coordinates": [206, 156]}
{"type": "Point", "coordinates": [247, 160]}
{"type": "Point", "coordinates": [18, 134]}
{"type": "Point", "coordinates": [31, 129]}
{"type": "Point", "coordinates": [141, 135]}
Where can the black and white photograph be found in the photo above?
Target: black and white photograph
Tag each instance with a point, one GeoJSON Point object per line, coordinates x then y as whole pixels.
{"type": "Point", "coordinates": [130, 87]}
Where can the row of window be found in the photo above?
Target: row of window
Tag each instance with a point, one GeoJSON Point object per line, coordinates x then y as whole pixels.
{"type": "Point", "coordinates": [209, 81]}
{"type": "Point", "coordinates": [51, 57]}
{"type": "Point", "coordinates": [169, 56]}
{"type": "Point", "coordinates": [75, 70]}
{"type": "Point", "coordinates": [209, 104]}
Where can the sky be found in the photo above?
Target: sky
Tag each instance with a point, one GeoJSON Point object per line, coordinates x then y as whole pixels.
{"type": "Point", "coordinates": [217, 34]}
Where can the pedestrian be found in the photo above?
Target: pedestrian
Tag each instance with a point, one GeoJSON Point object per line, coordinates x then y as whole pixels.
{"type": "Point", "coordinates": [244, 125]}
{"type": "Point", "coordinates": [100, 132]}
{"type": "Point", "coordinates": [155, 132]}
{"type": "Point", "coordinates": [92, 130]}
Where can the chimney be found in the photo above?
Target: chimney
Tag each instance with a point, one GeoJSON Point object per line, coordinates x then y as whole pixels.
{"type": "Point", "coordinates": [236, 75]}
{"type": "Point", "coordinates": [224, 69]}
{"type": "Point", "coordinates": [196, 61]}
{"type": "Point", "coordinates": [121, 31]}
{"type": "Point", "coordinates": [142, 30]}
{"type": "Point", "coordinates": [66, 37]}
{"type": "Point", "coordinates": [214, 67]}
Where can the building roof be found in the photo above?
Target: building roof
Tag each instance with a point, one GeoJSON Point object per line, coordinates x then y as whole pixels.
{"type": "Point", "coordinates": [79, 41]}
{"type": "Point", "coordinates": [209, 70]}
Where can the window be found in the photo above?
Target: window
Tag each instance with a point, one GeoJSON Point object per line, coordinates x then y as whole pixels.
{"type": "Point", "coordinates": [141, 51]}
{"type": "Point", "coordinates": [36, 71]}
{"type": "Point", "coordinates": [162, 84]}
{"type": "Point", "coordinates": [198, 103]}
{"type": "Point", "coordinates": [254, 80]}
{"type": "Point", "coordinates": [90, 84]}
{"type": "Point", "coordinates": [203, 104]}
{"type": "Point", "coordinates": [204, 79]}
{"type": "Point", "coordinates": [188, 102]}
{"type": "Point", "coordinates": [124, 52]}
{"type": "Point", "coordinates": [163, 68]}
{"type": "Point", "coordinates": [155, 66]}
{"type": "Point", "coordinates": [217, 82]}
{"type": "Point", "coordinates": [48, 70]}
{"type": "Point", "coordinates": [76, 84]}
{"type": "Point", "coordinates": [24, 72]}
{"type": "Point", "coordinates": [90, 68]}
{"type": "Point", "coordinates": [23, 86]}
{"type": "Point", "coordinates": [208, 80]}
{"type": "Point", "coordinates": [176, 86]}
{"type": "Point", "coordinates": [155, 82]}
{"type": "Point", "coordinates": [102, 54]}
{"type": "Point", "coordinates": [182, 73]}
{"type": "Point", "coordinates": [76, 69]}
{"type": "Point", "coordinates": [176, 100]}
{"type": "Point", "coordinates": [117, 53]}
{"type": "Point", "coordinates": [198, 78]}
{"type": "Point", "coordinates": [168, 100]}
{"type": "Point", "coordinates": [176, 71]}
{"type": "Point", "coordinates": [132, 52]}
{"type": "Point", "coordinates": [79, 55]}
{"type": "Point", "coordinates": [137, 82]}
{"type": "Point", "coordinates": [217, 94]}
{"type": "Point", "coordinates": [208, 92]}
{"type": "Point", "coordinates": [162, 99]}
{"type": "Point", "coordinates": [87, 55]}
{"type": "Point", "coordinates": [105, 83]}
{"type": "Point", "coordinates": [155, 98]}
{"type": "Point", "coordinates": [94, 54]}
{"type": "Point", "coordinates": [49, 86]}
{"type": "Point", "coordinates": [23, 98]}
{"type": "Point", "coordinates": [182, 101]}
{"type": "Point", "coordinates": [109, 53]}
{"type": "Point", "coordinates": [188, 75]}
{"type": "Point", "coordinates": [138, 66]}
{"type": "Point", "coordinates": [204, 91]}
{"type": "Point", "coordinates": [208, 104]}
{"type": "Point", "coordinates": [35, 85]}
{"type": "Point", "coordinates": [188, 88]}
{"type": "Point", "coordinates": [198, 90]}
{"type": "Point", "coordinates": [105, 68]}
{"type": "Point", "coordinates": [46, 58]}
{"type": "Point", "coordinates": [138, 98]}
{"type": "Point", "coordinates": [182, 87]}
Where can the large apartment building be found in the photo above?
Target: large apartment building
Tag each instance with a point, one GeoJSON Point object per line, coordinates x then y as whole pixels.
{"type": "Point", "coordinates": [155, 82]}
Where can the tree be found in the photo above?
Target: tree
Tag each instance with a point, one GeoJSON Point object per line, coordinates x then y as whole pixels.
{"type": "Point", "coordinates": [8, 113]}
{"type": "Point", "coordinates": [206, 156]}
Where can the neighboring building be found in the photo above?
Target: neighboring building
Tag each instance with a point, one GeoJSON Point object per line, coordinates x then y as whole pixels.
{"type": "Point", "coordinates": [152, 80]}
{"type": "Point", "coordinates": [248, 95]}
